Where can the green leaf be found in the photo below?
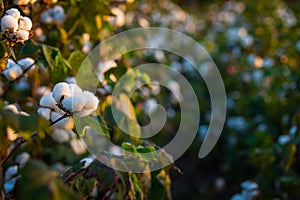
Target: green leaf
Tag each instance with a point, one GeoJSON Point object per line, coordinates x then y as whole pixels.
{"type": "Point", "coordinates": [50, 54]}
{"type": "Point", "coordinates": [75, 59]}
{"type": "Point", "coordinates": [30, 47]}
{"type": "Point", "coordinates": [82, 122]}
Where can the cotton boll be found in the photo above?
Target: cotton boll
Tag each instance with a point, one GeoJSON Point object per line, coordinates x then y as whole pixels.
{"type": "Point", "coordinates": [25, 63]}
{"type": "Point", "coordinates": [25, 23]}
{"type": "Point", "coordinates": [44, 112]}
{"type": "Point", "coordinates": [22, 35]}
{"type": "Point", "coordinates": [9, 23]}
{"type": "Point", "coordinates": [11, 172]}
{"type": "Point", "coordinates": [71, 79]}
{"type": "Point", "coordinates": [77, 146]}
{"type": "Point", "coordinates": [11, 108]}
{"type": "Point", "coordinates": [65, 123]}
{"type": "Point", "coordinates": [91, 100]}
{"type": "Point", "coordinates": [43, 90]}
{"type": "Point", "coordinates": [74, 89]}
{"type": "Point", "coordinates": [48, 101]}
{"type": "Point", "coordinates": [14, 13]}
{"type": "Point", "coordinates": [74, 103]}
{"type": "Point", "coordinates": [22, 159]}
{"type": "Point", "coordinates": [58, 14]}
{"type": "Point", "coordinates": [10, 185]}
{"type": "Point", "coordinates": [60, 135]}
{"type": "Point", "coordinates": [119, 20]}
{"type": "Point", "coordinates": [46, 18]}
{"type": "Point", "coordinates": [10, 63]}
{"type": "Point", "coordinates": [60, 91]}
{"type": "Point", "coordinates": [13, 72]}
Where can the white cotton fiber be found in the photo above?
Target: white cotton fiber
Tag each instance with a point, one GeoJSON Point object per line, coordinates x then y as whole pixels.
{"type": "Point", "coordinates": [13, 72]}
{"type": "Point", "coordinates": [14, 13]}
{"type": "Point", "coordinates": [26, 62]}
{"type": "Point", "coordinates": [60, 91]}
{"type": "Point", "coordinates": [9, 23]}
{"type": "Point", "coordinates": [44, 112]}
{"type": "Point", "coordinates": [74, 89]}
{"type": "Point", "coordinates": [25, 23]}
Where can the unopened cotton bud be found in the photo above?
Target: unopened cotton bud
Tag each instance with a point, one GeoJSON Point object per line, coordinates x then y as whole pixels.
{"type": "Point", "coordinates": [60, 91]}
{"type": "Point", "coordinates": [12, 108]}
{"type": "Point", "coordinates": [74, 89]}
{"type": "Point", "coordinates": [13, 72]}
{"type": "Point", "coordinates": [14, 13]}
{"type": "Point", "coordinates": [48, 101]}
{"type": "Point", "coordinates": [65, 123]}
{"type": "Point", "coordinates": [25, 23]}
{"type": "Point", "coordinates": [9, 23]}
{"type": "Point", "coordinates": [25, 63]}
{"type": "Point", "coordinates": [22, 35]}
{"type": "Point", "coordinates": [44, 112]}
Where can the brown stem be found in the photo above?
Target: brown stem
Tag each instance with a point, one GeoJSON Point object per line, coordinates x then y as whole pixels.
{"type": "Point", "coordinates": [19, 142]}
{"type": "Point", "coordinates": [62, 117]}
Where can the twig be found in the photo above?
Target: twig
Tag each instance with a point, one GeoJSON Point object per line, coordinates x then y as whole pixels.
{"type": "Point", "coordinates": [62, 117]}
{"type": "Point", "coordinates": [18, 144]}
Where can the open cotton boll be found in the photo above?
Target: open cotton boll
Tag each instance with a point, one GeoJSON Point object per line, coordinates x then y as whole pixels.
{"type": "Point", "coordinates": [60, 135]}
{"type": "Point", "coordinates": [13, 72]}
{"type": "Point", "coordinates": [77, 146]}
{"type": "Point", "coordinates": [9, 23]}
{"type": "Point", "coordinates": [74, 103]}
{"type": "Point", "coordinates": [91, 100]}
{"type": "Point", "coordinates": [65, 123]}
{"type": "Point", "coordinates": [11, 172]}
{"type": "Point", "coordinates": [25, 63]}
{"type": "Point", "coordinates": [25, 23]}
{"type": "Point", "coordinates": [60, 91]}
{"type": "Point", "coordinates": [46, 18]}
{"type": "Point", "coordinates": [22, 35]}
{"type": "Point", "coordinates": [22, 159]}
{"type": "Point", "coordinates": [71, 79]}
{"type": "Point", "coordinates": [23, 113]}
{"type": "Point", "coordinates": [87, 161]}
{"type": "Point", "coordinates": [58, 14]}
{"type": "Point", "coordinates": [10, 63]}
{"type": "Point", "coordinates": [48, 101]}
{"type": "Point", "coordinates": [43, 90]}
{"type": "Point", "coordinates": [10, 185]}
{"type": "Point", "coordinates": [74, 89]}
{"type": "Point", "coordinates": [14, 13]}
{"type": "Point", "coordinates": [44, 112]}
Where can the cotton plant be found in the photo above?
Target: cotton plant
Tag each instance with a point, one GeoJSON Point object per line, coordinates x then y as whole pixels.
{"type": "Point", "coordinates": [15, 70]}
{"type": "Point", "coordinates": [16, 27]}
{"type": "Point", "coordinates": [66, 100]}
